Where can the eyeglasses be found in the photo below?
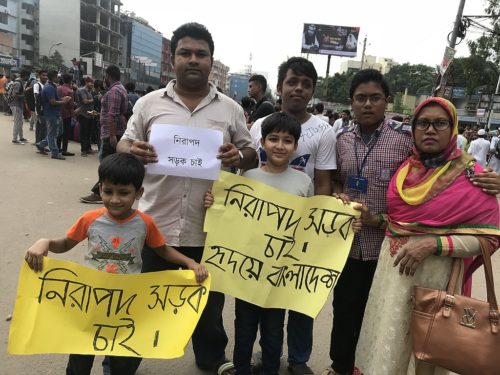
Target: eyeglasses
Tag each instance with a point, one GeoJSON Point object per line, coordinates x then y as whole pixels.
{"type": "Point", "coordinates": [439, 125]}
{"type": "Point", "coordinates": [374, 99]}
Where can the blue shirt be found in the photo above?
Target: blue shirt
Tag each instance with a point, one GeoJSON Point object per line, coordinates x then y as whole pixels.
{"type": "Point", "coordinates": [50, 92]}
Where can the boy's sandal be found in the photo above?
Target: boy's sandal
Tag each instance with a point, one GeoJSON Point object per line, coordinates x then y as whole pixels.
{"type": "Point", "coordinates": [226, 369]}
{"type": "Point", "coordinates": [300, 369]}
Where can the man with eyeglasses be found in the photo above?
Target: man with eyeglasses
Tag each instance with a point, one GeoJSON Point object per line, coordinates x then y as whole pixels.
{"type": "Point", "coordinates": [367, 157]}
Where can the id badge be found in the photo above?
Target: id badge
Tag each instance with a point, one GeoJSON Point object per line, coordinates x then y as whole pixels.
{"type": "Point", "coordinates": [358, 183]}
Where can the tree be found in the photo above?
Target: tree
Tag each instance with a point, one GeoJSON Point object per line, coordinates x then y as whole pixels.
{"type": "Point", "coordinates": [473, 72]}
{"type": "Point", "coordinates": [54, 62]}
{"type": "Point", "coordinates": [487, 47]}
{"type": "Point", "coordinates": [414, 78]}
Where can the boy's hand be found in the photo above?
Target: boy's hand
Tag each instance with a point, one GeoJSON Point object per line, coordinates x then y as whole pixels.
{"type": "Point", "coordinates": [209, 199]}
{"type": "Point", "coordinates": [34, 255]}
{"type": "Point", "coordinates": [200, 271]}
{"type": "Point", "coordinates": [343, 197]}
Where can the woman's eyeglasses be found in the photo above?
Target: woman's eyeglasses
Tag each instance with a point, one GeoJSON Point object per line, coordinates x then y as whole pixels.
{"type": "Point", "coordinates": [439, 125]}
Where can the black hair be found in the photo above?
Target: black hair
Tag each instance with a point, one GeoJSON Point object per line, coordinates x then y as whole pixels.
{"type": "Point", "coordinates": [247, 102]}
{"type": "Point", "coordinates": [193, 30]}
{"type": "Point", "coordinates": [347, 112]}
{"type": "Point", "coordinates": [52, 75]}
{"type": "Point", "coordinates": [299, 66]}
{"type": "Point", "coordinates": [149, 89]}
{"type": "Point", "coordinates": [261, 80]}
{"type": "Point", "coordinates": [130, 86]}
{"type": "Point", "coordinates": [397, 118]}
{"type": "Point", "coordinates": [114, 72]}
{"type": "Point", "coordinates": [369, 75]}
{"type": "Point", "coordinates": [281, 122]}
{"type": "Point", "coordinates": [319, 107]}
{"type": "Point", "coordinates": [121, 169]}
{"type": "Point", "coordinates": [24, 73]}
{"type": "Point", "coordinates": [67, 78]}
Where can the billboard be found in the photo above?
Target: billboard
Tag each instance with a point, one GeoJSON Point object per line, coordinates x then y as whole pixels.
{"type": "Point", "coordinates": [330, 40]}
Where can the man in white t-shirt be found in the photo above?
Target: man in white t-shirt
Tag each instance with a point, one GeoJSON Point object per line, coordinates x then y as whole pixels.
{"type": "Point", "coordinates": [480, 147]}
{"type": "Point", "coordinates": [494, 162]}
{"type": "Point", "coordinates": [316, 156]}
{"type": "Point", "coordinates": [342, 123]}
{"type": "Point", "coordinates": [318, 112]}
{"type": "Point", "coordinates": [461, 140]}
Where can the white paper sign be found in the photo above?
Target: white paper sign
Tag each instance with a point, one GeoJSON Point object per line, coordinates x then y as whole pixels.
{"type": "Point", "coordinates": [186, 151]}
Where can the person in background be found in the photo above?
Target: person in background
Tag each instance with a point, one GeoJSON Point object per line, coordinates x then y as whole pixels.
{"type": "Point", "coordinates": [65, 90]}
{"type": "Point", "coordinates": [131, 94]}
{"type": "Point", "coordinates": [257, 86]}
{"type": "Point", "coordinates": [51, 103]}
{"type": "Point", "coordinates": [85, 114]}
{"type": "Point", "coordinates": [318, 112]}
{"type": "Point", "coordinates": [342, 124]}
{"type": "Point", "coordinates": [114, 105]}
{"type": "Point", "coordinates": [16, 104]}
{"type": "Point", "coordinates": [480, 148]}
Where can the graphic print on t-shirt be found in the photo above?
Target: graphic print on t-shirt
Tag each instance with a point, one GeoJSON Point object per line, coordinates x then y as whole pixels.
{"type": "Point", "coordinates": [114, 258]}
{"type": "Point", "coordinates": [299, 163]}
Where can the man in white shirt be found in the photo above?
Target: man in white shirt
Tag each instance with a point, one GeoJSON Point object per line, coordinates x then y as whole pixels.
{"type": "Point", "coordinates": [342, 123]}
{"type": "Point", "coordinates": [318, 112]}
{"type": "Point", "coordinates": [461, 140]}
{"type": "Point", "coordinates": [494, 162]}
{"type": "Point", "coordinates": [480, 147]}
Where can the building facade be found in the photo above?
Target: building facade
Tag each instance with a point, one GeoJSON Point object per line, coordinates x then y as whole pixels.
{"type": "Point", "coordinates": [17, 34]}
{"type": "Point", "coordinates": [382, 64]}
{"type": "Point", "coordinates": [238, 85]}
{"type": "Point", "coordinates": [218, 75]}
{"type": "Point", "coordinates": [167, 71]}
{"type": "Point", "coordinates": [142, 49]}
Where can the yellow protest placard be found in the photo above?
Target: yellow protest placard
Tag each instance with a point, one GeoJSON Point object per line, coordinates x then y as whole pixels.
{"type": "Point", "coordinates": [68, 308]}
{"type": "Point", "coordinates": [274, 249]}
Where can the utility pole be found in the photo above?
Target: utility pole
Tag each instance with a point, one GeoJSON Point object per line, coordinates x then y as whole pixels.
{"type": "Point", "coordinates": [325, 84]}
{"type": "Point", "coordinates": [363, 54]}
{"type": "Point", "coordinates": [441, 82]}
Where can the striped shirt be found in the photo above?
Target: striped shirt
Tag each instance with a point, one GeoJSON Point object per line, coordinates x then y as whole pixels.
{"type": "Point", "coordinates": [113, 108]}
{"type": "Point", "coordinates": [390, 146]}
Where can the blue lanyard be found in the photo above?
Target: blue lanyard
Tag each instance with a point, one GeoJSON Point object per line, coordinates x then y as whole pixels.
{"type": "Point", "coordinates": [358, 167]}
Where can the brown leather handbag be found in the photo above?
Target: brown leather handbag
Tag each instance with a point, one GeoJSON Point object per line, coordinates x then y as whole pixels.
{"type": "Point", "coordinates": [455, 332]}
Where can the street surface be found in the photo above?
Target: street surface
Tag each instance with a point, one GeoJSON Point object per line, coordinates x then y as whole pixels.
{"type": "Point", "coordinates": [41, 200]}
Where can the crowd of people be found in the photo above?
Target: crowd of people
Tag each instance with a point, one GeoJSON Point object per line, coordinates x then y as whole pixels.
{"type": "Point", "coordinates": [403, 173]}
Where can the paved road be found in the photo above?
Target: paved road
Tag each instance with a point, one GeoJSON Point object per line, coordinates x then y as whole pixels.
{"type": "Point", "coordinates": [40, 199]}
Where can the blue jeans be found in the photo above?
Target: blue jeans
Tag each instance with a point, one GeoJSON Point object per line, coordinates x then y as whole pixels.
{"type": "Point", "coordinates": [248, 317]}
{"type": "Point", "coordinates": [299, 337]}
{"type": "Point", "coordinates": [54, 130]}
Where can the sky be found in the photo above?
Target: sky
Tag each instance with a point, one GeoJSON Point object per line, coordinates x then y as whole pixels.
{"type": "Point", "coordinates": [413, 31]}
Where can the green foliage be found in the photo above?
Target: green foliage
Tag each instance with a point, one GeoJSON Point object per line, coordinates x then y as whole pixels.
{"type": "Point", "coordinates": [418, 79]}
{"type": "Point", "coordinates": [473, 72]}
{"type": "Point", "coordinates": [338, 88]}
{"type": "Point", "coordinates": [54, 62]}
{"type": "Point", "coordinates": [487, 47]}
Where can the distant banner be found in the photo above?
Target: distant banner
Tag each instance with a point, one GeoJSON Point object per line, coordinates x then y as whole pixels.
{"type": "Point", "coordinates": [274, 249]}
{"type": "Point", "coordinates": [68, 308]}
{"type": "Point", "coordinates": [330, 40]}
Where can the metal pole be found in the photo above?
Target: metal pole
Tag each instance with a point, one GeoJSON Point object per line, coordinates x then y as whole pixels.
{"type": "Point", "coordinates": [490, 109]}
{"type": "Point", "coordinates": [441, 82]}
{"type": "Point", "coordinates": [325, 85]}
{"type": "Point", "coordinates": [363, 54]}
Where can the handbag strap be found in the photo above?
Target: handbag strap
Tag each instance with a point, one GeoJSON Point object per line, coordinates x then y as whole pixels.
{"type": "Point", "coordinates": [488, 272]}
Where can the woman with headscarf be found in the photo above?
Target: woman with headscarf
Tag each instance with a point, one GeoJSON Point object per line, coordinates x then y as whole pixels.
{"type": "Point", "coordinates": [434, 214]}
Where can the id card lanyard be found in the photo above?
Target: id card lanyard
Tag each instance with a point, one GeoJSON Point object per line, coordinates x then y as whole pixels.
{"type": "Point", "coordinates": [358, 167]}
